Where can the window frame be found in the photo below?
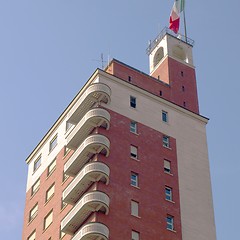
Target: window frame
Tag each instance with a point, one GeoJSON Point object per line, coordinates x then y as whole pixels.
{"type": "Point", "coordinates": [34, 215]}
{"type": "Point", "coordinates": [37, 182]}
{"type": "Point", "coordinates": [51, 188]}
{"type": "Point", "coordinates": [164, 116]}
{"type": "Point", "coordinates": [134, 208]}
{"type": "Point", "coordinates": [167, 170]}
{"type": "Point", "coordinates": [170, 224]}
{"type": "Point", "coordinates": [133, 102]}
{"type": "Point", "coordinates": [37, 163]}
{"type": "Point", "coordinates": [31, 235]}
{"type": "Point", "coordinates": [45, 218]}
{"type": "Point", "coordinates": [135, 182]}
{"type": "Point", "coordinates": [133, 127]}
{"type": "Point", "coordinates": [54, 162]}
{"type": "Point", "coordinates": [137, 234]}
{"type": "Point", "coordinates": [53, 143]}
{"type": "Point", "coordinates": [168, 194]}
{"type": "Point", "coordinates": [165, 143]}
{"type": "Point", "coordinates": [133, 152]}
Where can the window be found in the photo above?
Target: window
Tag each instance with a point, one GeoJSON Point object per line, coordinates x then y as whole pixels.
{"type": "Point", "coordinates": [182, 73]}
{"type": "Point", "coordinates": [62, 234]}
{"type": "Point", "coordinates": [135, 235]}
{"type": "Point", "coordinates": [168, 193]}
{"type": "Point", "coordinates": [184, 104]}
{"type": "Point", "coordinates": [183, 88]}
{"type": "Point", "coordinates": [65, 177]}
{"type": "Point", "coordinates": [50, 192]}
{"type": "Point", "coordinates": [133, 127]}
{"type": "Point", "coordinates": [164, 116]}
{"type": "Point", "coordinates": [134, 208]}
{"type": "Point", "coordinates": [48, 220]}
{"type": "Point", "coordinates": [68, 126]}
{"type": "Point", "coordinates": [66, 150]}
{"type": "Point", "coordinates": [35, 187]}
{"type": "Point", "coordinates": [51, 167]}
{"type": "Point", "coordinates": [169, 220]}
{"type": "Point", "coordinates": [63, 204]}
{"type": "Point", "coordinates": [133, 102]}
{"type": "Point", "coordinates": [134, 179]}
{"type": "Point", "coordinates": [166, 142]}
{"type": "Point", "coordinates": [167, 166]}
{"type": "Point", "coordinates": [33, 213]}
{"type": "Point", "coordinates": [53, 143]}
{"type": "Point", "coordinates": [37, 163]}
{"type": "Point", "coordinates": [32, 236]}
{"type": "Point", "coordinates": [160, 93]}
{"type": "Point", "coordinates": [133, 151]}
{"type": "Point", "coordinates": [129, 78]}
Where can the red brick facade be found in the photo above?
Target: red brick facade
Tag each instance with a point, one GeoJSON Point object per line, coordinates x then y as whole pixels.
{"type": "Point", "coordinates": [181, 90]}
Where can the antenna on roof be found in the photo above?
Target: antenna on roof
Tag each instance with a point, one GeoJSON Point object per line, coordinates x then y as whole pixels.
{"type": "Point", "coordinates": [102, 61]}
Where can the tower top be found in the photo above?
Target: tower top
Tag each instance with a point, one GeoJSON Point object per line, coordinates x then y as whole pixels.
{"type": "Point", "coordinates": [161, 35]}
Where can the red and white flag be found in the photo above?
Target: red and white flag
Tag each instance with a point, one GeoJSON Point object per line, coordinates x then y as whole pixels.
{"type": "Point", "coordinates": [174, 21]}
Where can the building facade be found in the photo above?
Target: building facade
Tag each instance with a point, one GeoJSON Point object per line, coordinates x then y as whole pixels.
{"type": "Point", "coordinates": [128, 157]}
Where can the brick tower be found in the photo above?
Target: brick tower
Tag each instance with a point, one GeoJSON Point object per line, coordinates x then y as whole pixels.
{"type": "Point", "coordinates": [127, 159]}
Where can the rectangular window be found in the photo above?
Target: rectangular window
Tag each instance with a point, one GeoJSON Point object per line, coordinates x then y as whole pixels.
{"type": "Point", "coordinates": [32, 236]}
{"type": "Point", "coordinates": [66, 150]}
{"type": "Point", "coordinates": [133, 102]}
{"type": "Point", "coordinates": [164, 116]}
{"type": "Point", "coordinates": [33, 213]}
{"type": "Point", "coordinates": [53, 143]}
{"type": "Point", "coordinates": [35, 187]}
{"type": "Point", "coordinates": [65, 177]}
{"type": "Point", "coordinates": [167, 166]}
{"type": "Point", "coordinates": [134, 179]}
{"type": "Point", "coordinates": [135, 235]}
{"type": "Point", "coordinates": [166, 141]}
{"type": "Point", "coordinates": [133, 151]}
{"type": "Point", "coordinates": [50, 192]}
{"type": "Point", "coordinates": [134, 208]}
{"type": "Point", "coordinates": [168, 193]}
{"type": "Point", "coordinates": [51, 167]}
{"type": "Point", "coordinates": [37, 163]}
{"type": "Point", "coordinates": [133, 127]}
{"type": "Point", "coordinates": [63, 204]}
{"type": "Point", "coordinates": [68, 126]}
{"type": "Point", "coordinates": [48, 220]}
{"type": "Point", "coordinates": [62, 234]}
{"type": "Point", "coordinates": [170, 222]}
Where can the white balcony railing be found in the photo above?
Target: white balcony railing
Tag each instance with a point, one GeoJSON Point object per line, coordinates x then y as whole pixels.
{"type": "Point", "coordinates": [93, 144]}
{"type": "Point", "coordinates": [90, 202]}
{"type": "Point", "coordinates": [93, 118]}
{"type": "Point", "coordinates": [92, 172]}
{"type": "Point", "coordinates": [97, 92]}
{"type": "Point", "coordinates": [92, 231]}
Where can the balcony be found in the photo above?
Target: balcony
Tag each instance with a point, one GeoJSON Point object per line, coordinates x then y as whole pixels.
{"type": "Point", "coordinates": [90, 202]}
{"type": "Point", "coordinates": [93, 118]}
{"type": "Point", "coordinates": [92, 231]}
{"type": "Point", "coordinates": [93, 144]}
{"type": "Point", "coordinates": [92, 172]}
{"type": "Point", "coordinates": [97, 92]}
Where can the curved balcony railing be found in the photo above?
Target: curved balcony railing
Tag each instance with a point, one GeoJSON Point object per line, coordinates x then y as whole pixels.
{"type": "Point", "coordinates": [93, 118]}
{"type": "Point", "coordinates": [97, 92]}
{"type": "Point", "coordinates": [92, 231]}
{"type": "Point", "coordinates": [93, 144]}
{"type": "Point", "coordinates": [92, 172]}
{"type": "Point", "coordinates": [90, 202]}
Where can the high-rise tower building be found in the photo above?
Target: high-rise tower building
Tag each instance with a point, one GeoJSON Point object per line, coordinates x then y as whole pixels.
{"type": "Point", "coordinates": [128, 157]}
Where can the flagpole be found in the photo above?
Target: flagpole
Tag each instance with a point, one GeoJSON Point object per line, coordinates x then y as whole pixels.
{"type": "Point", "coordinates": [185, 25]}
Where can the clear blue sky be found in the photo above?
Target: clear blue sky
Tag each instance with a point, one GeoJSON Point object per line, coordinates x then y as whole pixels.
{"type": "Point", "coordinates": [48, 50]}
